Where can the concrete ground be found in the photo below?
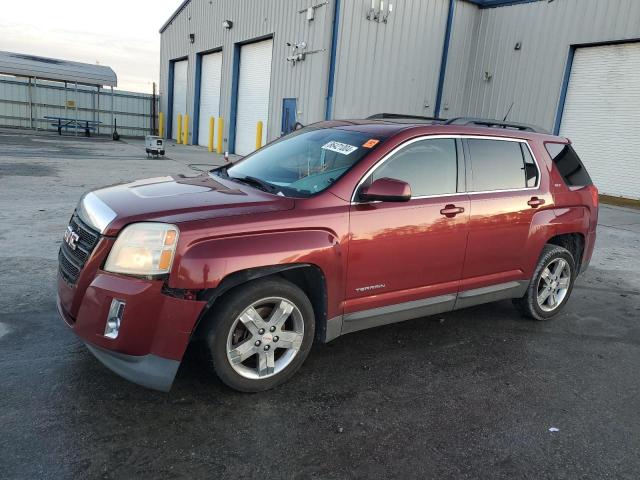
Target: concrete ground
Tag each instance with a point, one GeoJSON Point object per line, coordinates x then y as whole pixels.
{"type": "Point", "coordinates": [478, 393]}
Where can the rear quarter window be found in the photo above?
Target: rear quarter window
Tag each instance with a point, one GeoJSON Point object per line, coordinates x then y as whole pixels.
{"type": "Point", "coordinates": [568, 164]}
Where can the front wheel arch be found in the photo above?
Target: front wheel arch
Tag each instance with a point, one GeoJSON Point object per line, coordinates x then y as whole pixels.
{"type": "Point", "coordinates": [308, 277]}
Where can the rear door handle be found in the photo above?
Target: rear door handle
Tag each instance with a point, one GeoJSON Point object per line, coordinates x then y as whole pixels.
{"type": "Point", "coordinates": [451, 211]}
{"type": "Point", "coordinates": [535, 202]}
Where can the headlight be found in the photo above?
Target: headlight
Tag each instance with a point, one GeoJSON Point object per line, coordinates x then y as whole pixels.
{"type": "Point", "coordinates": [144, 249]}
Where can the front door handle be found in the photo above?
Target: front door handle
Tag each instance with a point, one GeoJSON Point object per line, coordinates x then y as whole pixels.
{"type": "Point", "coordinates": [535, 202]}
{"type": "Point", "coordinates": [451, 211]}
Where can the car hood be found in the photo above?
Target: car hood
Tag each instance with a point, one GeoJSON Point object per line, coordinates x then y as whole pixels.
{"type": "Point", "coordinates": [174, 199]}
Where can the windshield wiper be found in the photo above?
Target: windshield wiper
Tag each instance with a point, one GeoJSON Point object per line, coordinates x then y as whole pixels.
{"type": "Point", "coordinates": [256, 182]}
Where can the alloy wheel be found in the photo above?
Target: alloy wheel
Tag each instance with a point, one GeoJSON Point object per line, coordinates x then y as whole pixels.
{"type": "Point", "coordinates": [553, 284]}
{"type": "Point", "coordinates": [265, 338]}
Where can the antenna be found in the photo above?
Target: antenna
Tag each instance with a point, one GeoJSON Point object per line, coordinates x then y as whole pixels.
{"type": "Point", "coordinates": [508, 112]}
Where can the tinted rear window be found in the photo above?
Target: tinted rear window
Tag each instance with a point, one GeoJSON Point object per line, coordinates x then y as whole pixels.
{"type": "Point", "coordinates": [568, 164]}
{"type": "Point", "coordinates": [498, 165]}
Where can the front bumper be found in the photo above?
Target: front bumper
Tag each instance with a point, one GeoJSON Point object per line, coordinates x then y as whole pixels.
{"type": "Point", "coordinates": [149, 371]}
{"type": "Point", "coordinates": [154, 332]}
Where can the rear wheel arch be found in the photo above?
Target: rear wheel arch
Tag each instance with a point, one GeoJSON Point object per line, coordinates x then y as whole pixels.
{"type": "Point", "coordinates": [308, 277]}
{"type": "Point", "coordinates": [573, 242]}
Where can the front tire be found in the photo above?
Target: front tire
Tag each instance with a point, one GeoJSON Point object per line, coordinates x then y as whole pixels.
{"type": "Point", "coordinates": [551, 285]}
{"type": "Point", "coordinates": [260, 334]}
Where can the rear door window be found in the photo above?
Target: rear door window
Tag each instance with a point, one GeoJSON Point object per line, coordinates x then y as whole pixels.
{"type": "Point", "coordinates": [568, 164]}
{"type": "Point", "coordinates": [498, 165]}
{"type": "Point", "coordinates": [429, 166]}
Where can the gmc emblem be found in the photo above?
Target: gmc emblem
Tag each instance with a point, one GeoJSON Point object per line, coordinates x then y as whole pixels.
{"type": "Point", "coordinates": [71, 238]}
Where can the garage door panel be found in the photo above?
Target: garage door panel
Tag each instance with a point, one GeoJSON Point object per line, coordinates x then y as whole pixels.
{"type": "Point", "coordinates": [602, 116]}
{"type": "Point", "coordinates": [254, 84]}
{"type": "Point", "coordinates": [210, 78]}
{"type": "Point", "coordinates": [179, 106]}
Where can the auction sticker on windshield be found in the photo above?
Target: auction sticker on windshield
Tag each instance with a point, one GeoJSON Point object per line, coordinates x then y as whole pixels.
{"type": "Point", "coordinates": [342, 148]}
{"type": "Point", "coordinates": [372, 142]}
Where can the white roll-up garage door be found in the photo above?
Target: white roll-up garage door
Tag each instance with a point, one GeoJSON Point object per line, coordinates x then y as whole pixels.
{"type": "Point", "coordinates": [210, 73]}
{"type": "Point", "coordinates": [179, 106]}
{"type": "Point", "coordinates": [253, 94]}
{"type": "Point", "coordinates": [602, 116]}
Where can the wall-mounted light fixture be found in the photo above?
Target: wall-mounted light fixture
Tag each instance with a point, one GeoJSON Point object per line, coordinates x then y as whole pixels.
{"type": "Point", "coordinates": [518, 46]}
{"type": "Point", "coordinates": [310, 11]}
{"type": "Point", "coordinates": [386, 14]}
{"type": "Point", "coordinates": [299, 52]}
{"type": "Point", "coordinates": [228, 24]}
{"type": "Point", "coordinates": [192, 37]}
{"type": "Point", "coordinates": [379, 14]}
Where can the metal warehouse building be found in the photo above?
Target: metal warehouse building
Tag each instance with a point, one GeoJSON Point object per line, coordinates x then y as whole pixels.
{"type": "Point", "coordinates": [571, 66]}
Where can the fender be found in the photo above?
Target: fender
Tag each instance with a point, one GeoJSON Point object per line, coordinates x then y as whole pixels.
{"type": "Point", "coordinates": [203, 265]}
{"type": "Point", "coordinates": [572, 220]}
{"type": "Point", "coordinates": [578, 219]}
{"type": "Point", "coordinates": [543, 227]}
{"type": "Point", "coordinates": [549, 223]}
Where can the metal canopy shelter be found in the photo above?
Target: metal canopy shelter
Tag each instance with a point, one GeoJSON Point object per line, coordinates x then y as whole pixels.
{"type": "Point", "coordinates": [34, 67]}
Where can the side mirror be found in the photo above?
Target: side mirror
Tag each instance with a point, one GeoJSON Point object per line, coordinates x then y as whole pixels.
{"type": "Point", "coordinates": [386, 190]}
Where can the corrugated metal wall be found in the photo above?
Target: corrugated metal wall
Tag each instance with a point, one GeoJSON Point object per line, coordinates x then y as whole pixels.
{"type": "Point", "coordinates": [464, 37]}
{"type": "Point", "coordinates": [253, 19]}
{"type": "Point", "coordinates": [394, 67]}
{"type": "Point", "coordinates": [380, 67]}
{"type": "Point", "coordinates": [390, 67]}
{"type": "Point", "coordinates": [131, 110]}
{"type": "Point", "coordinates": [532, 77]}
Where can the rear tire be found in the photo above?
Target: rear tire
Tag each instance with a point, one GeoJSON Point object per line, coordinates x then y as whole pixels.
{"type": "Point", "coordinates": [550, 286]}
{"type": "Point", "coordinates": [259, 335]}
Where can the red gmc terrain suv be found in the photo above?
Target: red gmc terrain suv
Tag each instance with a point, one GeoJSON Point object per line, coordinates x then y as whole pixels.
{"type": "Point", "coordinates": [337, 227]}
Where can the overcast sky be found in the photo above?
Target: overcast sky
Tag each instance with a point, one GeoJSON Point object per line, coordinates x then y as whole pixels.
{"type": "Point", "coordinates": [122, 34]}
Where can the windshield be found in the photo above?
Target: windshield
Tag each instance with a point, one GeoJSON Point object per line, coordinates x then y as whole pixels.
{"type": "Point", "coordinates": [303, 163]}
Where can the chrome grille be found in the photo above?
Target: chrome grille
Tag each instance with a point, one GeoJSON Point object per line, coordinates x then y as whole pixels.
{"type": "Point", "coordinates": [71, 261]}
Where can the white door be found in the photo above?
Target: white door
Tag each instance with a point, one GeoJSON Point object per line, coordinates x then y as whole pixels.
{"type": "Point", "coordinates": [602, 116]}
{"type": "Point", "coordinates": [210, 74]}
{"type": "Point", "coordinates": [179, 106]}
{"type": "Point", "coordinates": [253, 94]}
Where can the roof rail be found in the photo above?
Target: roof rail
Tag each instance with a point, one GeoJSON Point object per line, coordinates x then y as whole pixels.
{"type": "Point", "coordinates": [402, 116]}
{"type": "Point", "coordinates": [484, 122]}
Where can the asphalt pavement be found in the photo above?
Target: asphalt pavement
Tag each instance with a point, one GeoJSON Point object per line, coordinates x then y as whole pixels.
{"type": "Point", "coordinates": [478, 393]}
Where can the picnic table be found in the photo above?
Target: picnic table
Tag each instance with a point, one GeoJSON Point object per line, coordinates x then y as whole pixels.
{"type": "Point", "coordinates": [62, 122]}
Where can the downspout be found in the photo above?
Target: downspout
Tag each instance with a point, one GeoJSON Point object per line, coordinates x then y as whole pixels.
{"type": "Point", "coordinates": [169, 131]}
{"type": "Point", "coordinates": [445, 56]}
{"type": "Point", "coordinates": [563, 90]}
{"type": "Point", "coordinates": [328, 112]}
{"type": "Point", "coordinates": [233, 111]}
{"type": "Point", "coordinates": [196, 101]}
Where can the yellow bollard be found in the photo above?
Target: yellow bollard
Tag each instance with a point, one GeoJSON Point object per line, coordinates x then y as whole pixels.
{"type": "Point", "coordinates": [220, 133]}
{"type": "Point", "coordinates": [259, 135]}
{"type": "Point", "coordinates": [211, 124]}
{"type": "Point", "coordinates": [185, 131]}
{"type": "Point", "coordinates": [179, 135]}
{"type": "Point", "coordinates": [161, 124]}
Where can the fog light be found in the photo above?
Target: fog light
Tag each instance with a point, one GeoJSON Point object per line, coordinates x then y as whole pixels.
{"type": "Point", "coordinates": [116, 311]}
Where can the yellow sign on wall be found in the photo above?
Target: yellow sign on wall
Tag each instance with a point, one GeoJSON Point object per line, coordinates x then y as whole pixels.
{"type": "Point", "coordinates": [71, 103]}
